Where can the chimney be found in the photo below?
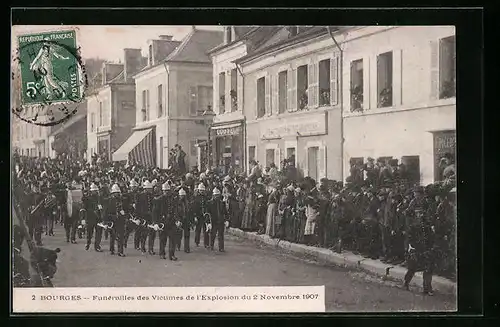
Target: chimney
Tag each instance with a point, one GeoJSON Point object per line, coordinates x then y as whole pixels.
{"type": "Point", "coordinates": [166, 37]}
{"type": "Point", "coordinates": [133, 63]}
{"type": "Point", "coordinates": [110, 71]}
{"type": "Point", "coordinates": [103, 74]}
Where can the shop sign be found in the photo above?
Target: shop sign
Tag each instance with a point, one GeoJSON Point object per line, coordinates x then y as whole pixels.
{"type": "Point", "coordinates": [295, 126]}
{"type": "Point", "coordinates": [228, 131]}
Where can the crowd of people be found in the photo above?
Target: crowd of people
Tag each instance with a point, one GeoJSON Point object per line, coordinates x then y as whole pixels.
{"type": "Point", "coordinates": [378, 212]}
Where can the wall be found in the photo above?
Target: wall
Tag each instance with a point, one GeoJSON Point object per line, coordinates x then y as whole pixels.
{"type": "Point", "coordinates": [405, 128]}
{"type": "Point", "coordinates": [150, 81]}
{"type": "Point", "coordinates": [30, 136]}
{"type": "Point", "coordinates": [102, 95]}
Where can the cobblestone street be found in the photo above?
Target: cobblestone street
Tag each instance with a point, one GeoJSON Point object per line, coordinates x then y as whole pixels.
{"type": "Point", "coordinates": [244, 264]}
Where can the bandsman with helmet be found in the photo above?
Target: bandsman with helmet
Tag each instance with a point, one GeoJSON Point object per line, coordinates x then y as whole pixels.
{"type": "Point", "coordinates": [168, 219]}
{"type": "Point", "coordinates": [199, 210]}
{"type": "Point", "coordinates": [74, 204]}
{"type": "Point", "coordinates": [131, 205]}
{"type": "Point", "coordinates": [145, 212]}
{"type": "Point", "coordinates": [219, 219]}
{"type": "Point", "coordinates": [94, 210]}
{"type": "Point", "coordinates": [116, 214]}
{"type": "Point", "coordinates": [184, 217]}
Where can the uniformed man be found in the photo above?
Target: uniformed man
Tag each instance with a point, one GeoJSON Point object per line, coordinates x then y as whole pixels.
{"type": "Point", "coordinates": [145, 212]}
{"type": "Point", "coordinates": [93, 206]}
{"type": "Point", "coordinates": [184, 216]}
{"type": "Point", "coordinates": [116, 214]}
{"type": "Point", "coordinates": [156, 216]}
{"type": "Point", "coordinates": [219, 219]}
{"type": "Point", "coordinates": [50, 210]}
{"type": "Point", "coordinates": [132, 200]}
{"type": "Point", "coordinates": [421, 238]}
{"type": "Point", "coordinates": [168, 219]}
{"type": "Point", "coordinates": [35, 214]}
{"type": "Point", "coordinates": [199, 210]}
{"type": "Point", "coordinates": [71, 222]}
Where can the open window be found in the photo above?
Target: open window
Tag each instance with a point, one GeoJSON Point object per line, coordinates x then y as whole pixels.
{"type": "Point", "coordinates": [384, 80]}
{"type": "Point", "coordinates": [234, 90]}
{"type": "Point", "coordinates": [447, 68]}
{"type": "Point", "coordinates": [302, 85]}
{"type": "Point", "coordinates": [261, 97]}
{"type": "Point", "coordinates": [222, 92]}
{"type": "Point", "coordinates": [282, 91]}
{"type": "Point", "coordinates": [324, 82]}
{"type": "Point", "coordinates": [357, 85]}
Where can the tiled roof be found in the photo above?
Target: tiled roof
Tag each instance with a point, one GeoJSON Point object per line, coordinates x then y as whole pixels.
{"type": "Point", "coordinates": [195, 46]}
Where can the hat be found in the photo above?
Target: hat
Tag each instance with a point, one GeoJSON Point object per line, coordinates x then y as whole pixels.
{"type": "Point", "coordinates": [93, 187]}
{"type": "Point", "coordinates": [202, 175]}
{"type": "Point", "coordinates": [298, 190]}
{"type": "Point", "coordinates": [165, 186]}
{"type": "Point", "coordinates": [182, 192]}
{"type": "Point", "coordinates": [115, 188]}
{"type": "Point", "coordinates": [154, 182]}
{"type": "Point", "coordinates": [133, 183]}
{"type": "Point", "coordinates": [370, 159]}
{"type": "Point", "coordinates": [216, 191]}
{"type": "Point", "coordinates": [189, 175]}
{"type": "Point", "coordinates": [290, 188]}
{"type": "Point", "coordinates": [419, 189]}
{"type": "Point", "coordinates": [43, 174]}
{"type": "Point", "coordinates": [201, 187]}
{"type": "Point", "coordinates": [227, 178]}
{"type": "Point", "coordinates": [147, 185]}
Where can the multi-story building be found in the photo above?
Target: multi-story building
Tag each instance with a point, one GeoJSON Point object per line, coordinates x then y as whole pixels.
{"type": "Point", "coordinates": [291, 101]}
{"type": "Point", "coordinates": [29, 139]}
{"type": "Point", "coordinates": [399, 91]}
{"type": "Point", "coordinates": [70, 137]}
{"type": "Point", "coordinates": [172, 93]}
{"type": "Point", "coordinates": [111, 107]}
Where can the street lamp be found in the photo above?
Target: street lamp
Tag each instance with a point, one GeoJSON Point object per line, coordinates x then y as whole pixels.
{"type": "Point", "coordinates": [210, 113]}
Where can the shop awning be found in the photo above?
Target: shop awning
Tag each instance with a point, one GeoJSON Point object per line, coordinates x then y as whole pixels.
{"type": "Point", "coordinates": [139, 148]}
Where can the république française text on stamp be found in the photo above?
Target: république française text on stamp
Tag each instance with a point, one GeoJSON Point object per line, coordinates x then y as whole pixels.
{"type": "Point", "coordinates": [52, 77]}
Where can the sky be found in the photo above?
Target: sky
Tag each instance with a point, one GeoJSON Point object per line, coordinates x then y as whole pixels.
{"type": "Point", "coordinates": [108, 42]}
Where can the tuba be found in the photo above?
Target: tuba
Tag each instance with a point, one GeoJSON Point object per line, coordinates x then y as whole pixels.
{"type": "Point", "coordinates": [157, 227]}
{"type": "Point", "coordinates": [106, 225]}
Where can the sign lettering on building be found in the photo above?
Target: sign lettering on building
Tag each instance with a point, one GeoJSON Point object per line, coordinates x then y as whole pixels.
{"type": "Point", "coordinates": [444, 142]}
{"type": "Point", "coordinates": [295, 126]}
{"type": "Point", "coordinates": [228, 131]}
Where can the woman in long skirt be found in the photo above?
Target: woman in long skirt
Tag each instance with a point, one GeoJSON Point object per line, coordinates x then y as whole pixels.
{"type": "Point", "coordinates": [248, 221]}
{"type": "Point", "coordinates": [272, 211]}
{"type": "Point", "coordinates": [312, 213]}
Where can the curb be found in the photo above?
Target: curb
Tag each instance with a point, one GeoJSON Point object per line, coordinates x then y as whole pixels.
{"type": "Point", "coordinates": [350, 260]}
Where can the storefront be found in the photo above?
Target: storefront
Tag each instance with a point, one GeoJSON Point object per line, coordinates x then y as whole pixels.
{"type": "Point", "coordinates": [228, 142]}
{"type": "Point", "coordinates": [103, 145]}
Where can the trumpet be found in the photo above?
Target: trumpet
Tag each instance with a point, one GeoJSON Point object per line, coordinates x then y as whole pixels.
{"type": "Point", "coordinates": [107, 225]}
{"type": "Point", "coordinates": [137, 221]}
{"type": "Point", "coordinates": [157, 227]}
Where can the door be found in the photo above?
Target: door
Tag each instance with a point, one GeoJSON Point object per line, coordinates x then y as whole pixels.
{"type": "Point", "coordinates": [312, 162]}
{"type": "Point", "coordinates": [269, 157]}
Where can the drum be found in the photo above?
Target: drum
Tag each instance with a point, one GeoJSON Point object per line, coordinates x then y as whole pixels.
{"type": "Point", "coordinates": [74, 201]}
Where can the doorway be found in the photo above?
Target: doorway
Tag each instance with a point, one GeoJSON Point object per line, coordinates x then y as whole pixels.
{"type": "Point", "coordinates": [312, 162]}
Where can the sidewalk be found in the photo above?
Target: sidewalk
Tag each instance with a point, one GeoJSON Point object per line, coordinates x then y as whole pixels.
{"type": "Point", "coordinates": [350, 260]}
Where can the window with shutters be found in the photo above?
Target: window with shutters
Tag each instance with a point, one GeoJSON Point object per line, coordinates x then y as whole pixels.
{"type": "Point", "coordinates": [234, 90]}
{"type": "Point", "coordinates": [204, 99]}
{"type": "Point", "coordinates": [222, 92]}
{"type": "Point", "coordinates": [384, 80]}
{"type": "Point", "coordinates": [193, 100]}
{"type": "Point", "coordinates": [282, 91]}
{"type": "Point", "coordinates": [447, 68]}
{"type": "Point", "coordinates": [100, 114]}
{"type": "Point", "coordinates": [324, 82]}
{"type": "Point", "coordinates": [160, 100]}
{"type": "Point", "coordinates": [261, 97]}
{"type": "Point", "coordinates": [357, 85]}
{"type": "Point", "coordinates": [302, 87]}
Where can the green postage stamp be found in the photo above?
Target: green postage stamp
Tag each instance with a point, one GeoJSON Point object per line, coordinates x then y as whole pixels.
{"type": "Point", "coordinates": [50, 68]}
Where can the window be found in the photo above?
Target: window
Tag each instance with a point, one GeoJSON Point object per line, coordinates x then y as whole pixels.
{"type": "Point", "coordinates": [384, 80]}
{"type": "Point", "coordinates": [160, 100]}
{"type": "Point", "coordinates": [100, 114]}
{"type": "Point", "coordinates": [222, 93]}
{"type": "Point", "coordinates": [447, 68]}
{"type": "Point", "coordinates": [193, 100]}
{"type": "Point", "coordinates": [302, 84]}
{"type": "Point", "coordinates": [150, 55]}
{"type": "Point", "coordinates": [282, 91]}
{"type": "Point", "coordinates": [92, 122]}
{"type": "Point", "coordinates": [357, 85]}
{"type": "Point", "coordinates": [269, 157]}
{"type": "Point", "coordinates": [234, 90]}
{"type": "Point", "coordinates": [290, 154]}
{"type": "Point", "coordinates": [324, 82]}
{"type": "Point", "coordinates": [145, 105]}
{"type": "Point", "coordinates": [204, 99]}
{"type": "Point", "coordinates": [261, 97]}
{"type": "Point", "coordinates": [251, 153]}
{"type": "Point", "coordinates": [193, 148]}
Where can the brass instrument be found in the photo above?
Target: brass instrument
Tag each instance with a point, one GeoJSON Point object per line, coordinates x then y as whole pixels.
{"type": "Point", "coordinates": [208, 222]}
{"type": "Point", "coordinates": [107, 225]}
{"type": "Point", "coordinates": [157, 227]}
